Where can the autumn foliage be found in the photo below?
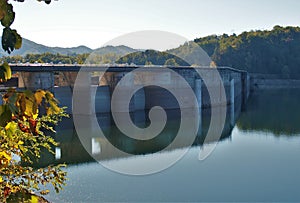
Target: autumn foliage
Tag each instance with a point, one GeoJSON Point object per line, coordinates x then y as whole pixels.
{"type": "Point", "coordinates": [25, 117]}
{"type": "Point", "coordinates": [22, 126]}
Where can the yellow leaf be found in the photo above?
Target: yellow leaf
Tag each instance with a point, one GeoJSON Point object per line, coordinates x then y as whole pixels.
{"type": "Point", "coordinates": [39, 95]}
{"type": "Point", "coordinates": [5, 155]}
{"type": "Point", "coordinates": [20, 142]}
{"type": "Point", "coordinates": [34, 199]}
{"type": "Point", "coordinates": [8, 126]}
{"type": "Point", "coordinates": [30, 108]}
{"type": "Point", "coordinates": [35, 116]}
{"type": "Point", "coordinates": [11, 127]}
{"type": "Point", "coordinates": [7, 70]}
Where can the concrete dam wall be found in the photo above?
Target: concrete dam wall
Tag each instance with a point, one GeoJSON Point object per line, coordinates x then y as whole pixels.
{"type": "Point", "coordinates": [210, 86]}
{"type": "Point", "coordinates": [236, 85]}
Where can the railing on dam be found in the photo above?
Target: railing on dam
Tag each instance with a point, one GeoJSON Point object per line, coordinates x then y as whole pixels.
{"type": "Point", "coordinates": [104, 79]}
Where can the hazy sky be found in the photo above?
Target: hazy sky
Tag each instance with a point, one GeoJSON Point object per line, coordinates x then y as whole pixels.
{"type": "Point", "coordinates": [92, 23]}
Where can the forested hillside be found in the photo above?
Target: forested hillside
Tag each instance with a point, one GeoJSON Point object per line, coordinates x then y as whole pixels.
{"type": "Point", "coordinates": [276, 51]}
{"type": "Point", "coordinates": [269, 52]}
{"type": "Point", "coordinates": [152, 57]}
{"type": "Point", "coordinates": [272, 52]}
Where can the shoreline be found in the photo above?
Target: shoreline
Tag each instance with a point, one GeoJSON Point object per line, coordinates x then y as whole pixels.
{"type": "Point", "coordinates": [274, 84]}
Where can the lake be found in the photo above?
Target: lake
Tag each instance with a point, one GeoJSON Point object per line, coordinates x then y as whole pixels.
{"type": "Point", "coordinates": [256, 159]}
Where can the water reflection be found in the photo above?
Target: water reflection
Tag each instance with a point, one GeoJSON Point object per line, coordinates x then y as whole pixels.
{"type": "Point", "coordinates": [71, 150]}
{"type": "Point", "coordinates": [274, 111]}
{"type": "Point", "coordinates": [247, 167]}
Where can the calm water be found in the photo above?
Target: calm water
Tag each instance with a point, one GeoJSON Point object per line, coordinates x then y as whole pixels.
{"type": "Point", "coordinates": [257, 159]}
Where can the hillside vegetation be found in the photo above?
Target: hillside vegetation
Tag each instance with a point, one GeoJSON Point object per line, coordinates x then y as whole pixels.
{"type": "Point", "coordinates": [267, 52]}
{"type": "Point", "coordinates": [152, 57]}
{"type": "Point", "coordinates": [276, 51]}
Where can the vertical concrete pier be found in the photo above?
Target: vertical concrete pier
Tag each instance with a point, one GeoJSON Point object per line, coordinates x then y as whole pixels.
{"type": "Point", "coordinates": [83, 93]}
{"type": "Point", "coordinates": [198, 92]}
{"type": "Point", "coordinates": [245, 88]}
{"type": "Point", "coordinates": [232, 92]}
{"type": "Point", "coordinates": [232, 102]}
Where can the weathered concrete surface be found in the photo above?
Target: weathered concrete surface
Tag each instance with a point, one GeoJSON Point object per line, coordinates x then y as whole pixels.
{"type": "Point", "coordinates": [36, 80]}
{"type": "Point", "coordinates": [147, 97]}
{"type": "Point", "coordinates": [156, 96]}
{"type": "Point", "coordinates": [100, 104]}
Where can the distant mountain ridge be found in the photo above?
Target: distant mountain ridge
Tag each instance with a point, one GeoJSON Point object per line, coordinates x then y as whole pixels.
{"type": "Point", "coordinates": [30, 47]}
{"type": "Point", "coordinates": [275, 51]}
{"type": "Point", "coordinates": [118, 50]}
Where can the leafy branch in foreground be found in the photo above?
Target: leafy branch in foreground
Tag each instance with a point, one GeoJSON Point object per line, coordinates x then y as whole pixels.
{"type": "Point", "coordinates": [25, 116]}
{"type": "Point", "coordinates": [22, 130]}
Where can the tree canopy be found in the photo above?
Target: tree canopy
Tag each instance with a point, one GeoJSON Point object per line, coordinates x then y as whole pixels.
{"type": "Point", "coordinates": [271, 52]}
{"type": "Point", "coordinates": [152, 57]}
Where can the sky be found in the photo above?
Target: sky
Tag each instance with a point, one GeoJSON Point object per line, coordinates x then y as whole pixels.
{"type": "Point", "coordinates": [69, 23]}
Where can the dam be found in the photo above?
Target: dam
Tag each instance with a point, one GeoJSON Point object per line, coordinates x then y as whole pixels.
{"type": "Point", "coordinates": [227, 84]}
{"type": "Point", "coordinates": [230, 87]}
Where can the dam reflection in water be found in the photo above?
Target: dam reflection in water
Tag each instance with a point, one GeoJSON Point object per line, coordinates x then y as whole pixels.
{"type": "Point", "coordinates": [72, 150]}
